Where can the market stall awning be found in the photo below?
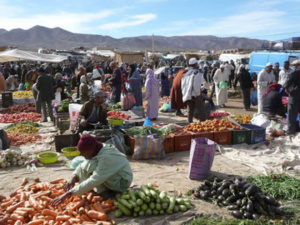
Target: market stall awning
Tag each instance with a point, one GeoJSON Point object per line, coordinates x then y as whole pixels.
{"type": "Point", "coordinates": [19, 55]}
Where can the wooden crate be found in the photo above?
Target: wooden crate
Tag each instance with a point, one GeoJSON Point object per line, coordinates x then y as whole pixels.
{"type": "Point", "coordinates": [222, 137]}
{"type": "Point", "coordinates": [59, 116]}
{"type": "Point", "coordinates": [182, 141]}
{"type": "Point", "coordinates": [65, 140]}
{"type": "Point", "coordinates": [169, 143]}
{"type": "Point", "coordinates": [208, 135]}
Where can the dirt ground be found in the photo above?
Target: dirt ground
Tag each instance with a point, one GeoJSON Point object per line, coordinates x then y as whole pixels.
{"type": "Point", "coordinates": [170, 174]}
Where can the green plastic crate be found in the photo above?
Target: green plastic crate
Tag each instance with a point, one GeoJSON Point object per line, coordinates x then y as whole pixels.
{"type": "Point", "coordinates": [240, 136]}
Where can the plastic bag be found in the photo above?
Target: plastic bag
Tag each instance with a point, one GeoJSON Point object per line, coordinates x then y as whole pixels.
{"type": "Point", "coordinates": [119, 142]}
{"type": "Point", "coordinates": [148, 148]}
{"type": "Point", "coordinates": [261, 120]}
{"type": "Point", "coordinates": [223, 84]}
{"type": "Point", "coordinates": [74, 110]}
{"type": "Point", "coordinates": [254, 101]}
{"type": "Point", "coordinates": [57, 99]}
{"type": "Point", "coordinates": [128, 101]}
{"type": "Point", "coordinates": [147, 122]}
{"type": "Point", "coordinates": [202, 155]}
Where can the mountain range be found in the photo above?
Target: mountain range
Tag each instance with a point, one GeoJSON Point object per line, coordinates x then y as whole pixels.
{"type": "Point", "coordinates": [57, 38]}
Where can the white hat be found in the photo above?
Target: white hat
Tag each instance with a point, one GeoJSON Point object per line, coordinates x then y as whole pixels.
{"type": "Point", "coordinates": [222, 66]}
{"type": "Point", "coordinates": [193, 61]}
{"type": "Point", "coordinates": [269, 64]}
{"type": "Point", "coordinates": [296, 62]}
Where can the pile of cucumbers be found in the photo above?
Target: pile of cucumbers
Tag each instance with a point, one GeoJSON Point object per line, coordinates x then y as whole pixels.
{"type": "Point", "coordinates": [149, 201]}
{"type": "Point", "coordinates": [244, 200]}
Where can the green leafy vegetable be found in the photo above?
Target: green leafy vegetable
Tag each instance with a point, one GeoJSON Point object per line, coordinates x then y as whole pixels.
{"type": "Point", "coordinates": [23, 122]}
{"type": "Point", "coordinates": [144, 131]}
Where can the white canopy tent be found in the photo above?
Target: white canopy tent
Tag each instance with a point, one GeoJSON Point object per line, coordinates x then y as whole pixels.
{"type": "Point", "coordinates": [19, 55]}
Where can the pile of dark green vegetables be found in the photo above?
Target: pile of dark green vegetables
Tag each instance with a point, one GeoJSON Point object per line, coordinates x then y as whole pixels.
{"type": "Point", "coordinates": [244, 200]}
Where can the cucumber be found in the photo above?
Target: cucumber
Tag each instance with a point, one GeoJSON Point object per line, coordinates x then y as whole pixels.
{"type": "Point", "coordinates": [155, 212]}
{"type": "Point", "coordinates": [164, 205]}
{"type": "Point", "coordinates": [137, 209]}
{"type": "Point", "coordinates": [169, 211]}
{"type": "Point", "coordinates": [132, 203]}
{"type": "Point", "coordinates": [142, 213]}
{"type": "Point", "coordinates": [176, 209]}
{"type": "Point", "coordinates": [153, 194]}
{"type": "Point", "coordinates": [142, 195]}
{"type": "Point", "coordinates": [148, 212]}
{"type": "Point", "coordinates": [162, 212]}
{"type": "Point", "coordinates": [145, 190]}
{"type": "Point", "coordinates": [118, 213]}
{"type": "Point", "coordinates": [118, 196]}
{"type": "Point", "coordinates": [126, 203]}
{"type": "Point", "coordinates": [125, 197]}
{"type": "Point", "coordinates": [182, 208]}
{"type": "Point", "coordinates": [188, 205]}
{"type": "Point", "coordinates": [147, 200]}
{"type": "Point", "coordinates": [152, 205]}
{"type": "Point", "coordinates": [132, 194]}
{"type": "Point", "coordinates": [163, 195]}
{"type": "Point", "coordinates": [150, 186]}
{"type": "Point", "coordinates": [124, 210]}
{"type": "Point", "coordinates": [135, 214]}
{"type": "Point", "coordinates": [158, 206]}
{"type": "Point", "coordinates": [139, 202]}
{"type": "Point", "coordinates": [144, 207]}
{"type": "Point", "coordinates": [172, 204]}
{"type": "Point", "coordinates": [158, 200]}
{"type": "Point", "coordinates": [186, 200]}
{"type": "Point", "coordinates": [180, 201]}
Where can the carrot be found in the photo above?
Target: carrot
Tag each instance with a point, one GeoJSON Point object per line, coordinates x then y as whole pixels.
{"type": "Point", "coordinates": [24, 182]}
{"type": "Point", "coordinates": [62, 218]}
{"type": "Point", "coordinates": [4, 205]}
{"type": "Point", "coordinates": [36, 222]}
{"type": "Point", "coordinates": [14, 207]}
{"type": "Point", "coordinates": [33, 203]}
{"type": "Point", "coordinates": [97, 206]}
{"type": "Point", "coordinates": [42, 193]}
{"type": "Point", "coordinates": [16, 217]}
{"type": "Point", "coordinates": [57, 181]}
{"type": "Point", "coordinates": [90, 196]}
{"type": "Point", "coordinates": [85, 217]}
{"type": "Point", "coordinates": [18, 222]}
{"type": "Point", "coordinates": [21, 213]}
{"type": "Point", "coordinates": [66, 223]}
{"type": "Point", "coordinates": [78, 205]}
{"type": "Point", "coordinates": [47, 199]}
{"type": "Point", "coordinates": [97, 198]}
{"type": "Point", "coordinates": [33, 185]}
{"type": "Point", "coordinates": [97, 215]}
{"type": "Point", "coordinates": [28, 210]}
{"type": "Point", "coordinates": [51, 222]}
{"type": "Point", "coordinates": [49, 218]}
{"type": "Point", "coordinates": [74, 220]}
{"type": "Point", "coordinates": [48, 212]}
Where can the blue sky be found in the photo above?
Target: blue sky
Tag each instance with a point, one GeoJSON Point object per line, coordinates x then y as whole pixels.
{"type": "Point", "coordinates": [262, 19]}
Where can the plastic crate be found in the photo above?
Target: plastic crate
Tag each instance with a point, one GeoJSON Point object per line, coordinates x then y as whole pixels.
{"type": "Point", "coordinates": [7, 99]}
{"type": "Point", "coordinates": [222, 137]}
{"type": "Point", "coordinates": [64, 124]}
{"type": "Point", "coordinates": [182, 141]}
{"type": "Point", "coordinates": [65, 140]}
{"type": "Point", "coordinates": [208, 135]}
{"type": "Point", "coordinates": [169, 143]}
{"type": "Point", "coordinates": [257, 134]}
{"type": "Point", "coordinates": [240, 136]}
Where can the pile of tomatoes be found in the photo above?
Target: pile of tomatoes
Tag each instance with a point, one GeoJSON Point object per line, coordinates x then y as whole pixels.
{"type": "Point", "coordinates": [117, 114]}
{"type": "Point", "coordinates": [18, 139]}
{"type": "Point", "coordinates": [19, 109]}
{"type": "Point", "coordinates": [19, 117]}
{"type": "Point", "coordinates": [243, 119]}
{"type": "Point", "coordinates": [212, 126]}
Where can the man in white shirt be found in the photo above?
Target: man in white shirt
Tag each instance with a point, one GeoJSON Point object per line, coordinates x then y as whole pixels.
{"type": "Point", "coordinates": [264, 79]}
{"type": "Point", "coordinates": [284, 74]}
{"type": "Point", "coordinates": [220, 76]}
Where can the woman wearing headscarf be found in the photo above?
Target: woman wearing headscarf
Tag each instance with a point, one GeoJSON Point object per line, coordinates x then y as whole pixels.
{"type": "Point", "coordinates": [135, 79]}
{"type": "Point", "coordinates": [272, 101]}
{"type": "Point", "coordinates": [60, 85]}
{"type": "Point", "coordinates": [82, 72]}
{"type": "Point", "coordinates": [83, 90]}
{"type": "Point", "coordinates": [165, 87]}
{"type": "Point", "coordinates": [124, 77]}
{"type": "Point", "coordinates": [104, 168]}
{"type": "Point", "coordinates": [152, 95]}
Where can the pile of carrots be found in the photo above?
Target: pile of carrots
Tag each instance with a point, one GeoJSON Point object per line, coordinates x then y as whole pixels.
{"type": "Point", "coordinates": [29, 205]}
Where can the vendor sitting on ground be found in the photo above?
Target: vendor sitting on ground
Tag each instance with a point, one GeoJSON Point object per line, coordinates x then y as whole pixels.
{"type": "Point", "coordinates": [272, 101]}
{"type": "Point", "coordinates": [104, 168]}
{"type": "Point", "coordinates": [93, 111]}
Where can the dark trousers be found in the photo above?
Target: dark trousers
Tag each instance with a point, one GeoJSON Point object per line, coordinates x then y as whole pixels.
{"type": "Point", "coordinates": [44, 111]}
{"type": "Point", "coordinates": [212, 91]}
{"type": "Point", "coordinates": [37, 104]}
{"type": "Point", "coordinates": [196, 103]}
{"type": "Point", "coordinates": [246, 98]}
{"type": "Point", "coordinates": [293, 112]}
{"type": "Point", "coordinates": [116, 94]}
